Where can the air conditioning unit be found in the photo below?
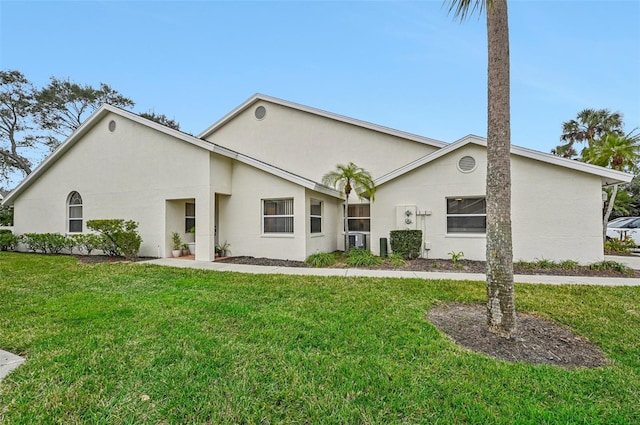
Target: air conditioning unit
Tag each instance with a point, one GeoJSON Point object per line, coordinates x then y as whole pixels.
{"type": "Point", "coordinates": [358, 240]}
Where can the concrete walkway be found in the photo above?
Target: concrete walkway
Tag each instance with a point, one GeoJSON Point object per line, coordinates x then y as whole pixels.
{"type": "Point", "coordinates": [633, 262]}
{"type": "Point", "coordinates": [9, 362]}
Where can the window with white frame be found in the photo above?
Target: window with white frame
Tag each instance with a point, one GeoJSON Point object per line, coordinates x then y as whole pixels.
{"type": "Point", "coordinates": [315, 213]}
{"type": "Point", "coordinates": [74, 206]}
{"type": "Point", "coordinates": [359, 218]}
{"type": "Point", "coordinates": [467, 215]}
{"type": "Point", "coordinates": [277, 215]}
{"type": "Point", "coordinates": [189, 217]}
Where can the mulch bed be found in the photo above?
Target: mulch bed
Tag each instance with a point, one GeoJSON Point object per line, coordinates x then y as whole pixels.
{"type": "Point", "coordinates": [535, 341]}
{"type": "Point", "coordinates": [95, 259]}
{"type": "Point", "coordinates": [426, 265]}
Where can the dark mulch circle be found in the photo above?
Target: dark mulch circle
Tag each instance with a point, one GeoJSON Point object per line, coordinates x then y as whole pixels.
{"type": "Point", "coordinates": [536, 340]}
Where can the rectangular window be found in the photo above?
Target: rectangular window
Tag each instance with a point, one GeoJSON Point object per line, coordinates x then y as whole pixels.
{"type": "Point", "coordinates": [75, 218]}
{"type": "Point", "coordinates": [467, 215]}
{"type": "Point", "coordinates": [359, 218]}
{"type": "Point", "coordinates": [189, 217]}
{"type": "Point", "coordinates": [277, 216]}
{"type": "Point", "coordinates": [316, 216]}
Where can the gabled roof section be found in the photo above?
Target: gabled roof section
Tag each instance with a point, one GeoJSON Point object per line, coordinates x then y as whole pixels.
{"type": "Point", "coordinates": [106, 109]}
{"type": "Point", "coordinates": [279, 172]}
{"type": "Point", "coordinates": [608, 177]}
{"type": "Point", "coordinates": [363, 124]}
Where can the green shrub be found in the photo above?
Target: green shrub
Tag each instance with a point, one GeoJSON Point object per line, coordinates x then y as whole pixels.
{"type": "Point", "coordinates": [407, 243]}
{"type": "Point", "coordinates": [569, 265]}
{"type": "Point", "coordinates": [620, 245]}
{"type": "Point", "coordinates": [456, 256]}
{"type": "Point", "coordinates": [6, 215]}
{"type": "Point", "coordinates": [321, 259]}
{"type": "Point", "coordinates": [525, 264]}
{"type": "Point", "coordinates": [8, 240]}
{"type": "Point", "coordinates": [611, 265]}
{"type": "Point", "coordinates": [86, 243]}
{"type": "Point", "coordinates": [35, 242]}
{"type": "Point", "coordinates": [359, 257]}
{"type": "Point", "coordinates": [119, 237]}
{"type": "Point", "coordinates": [397, 260]}
{"type": "Point", "coordinates": [55, 242]}
{"type": "Point", "coordinates": [546, 264]}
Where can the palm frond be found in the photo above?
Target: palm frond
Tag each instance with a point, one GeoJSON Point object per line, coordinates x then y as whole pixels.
{"type": "Point", "coordinates": [461, 9]}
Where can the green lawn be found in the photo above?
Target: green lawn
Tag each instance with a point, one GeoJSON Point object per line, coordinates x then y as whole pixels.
{"type": "Point", "coordinates": [129, 343]}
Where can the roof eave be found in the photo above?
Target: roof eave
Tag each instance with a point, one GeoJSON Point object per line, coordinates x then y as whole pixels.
{"type": "Point", "coordinates": [319, 112]}
{"type": "Point", "coordinates": [106, 109]}
{"type": "Point", "coordinates": [301, 181]}
{"type": "Point", "coordinates": [608, 176]}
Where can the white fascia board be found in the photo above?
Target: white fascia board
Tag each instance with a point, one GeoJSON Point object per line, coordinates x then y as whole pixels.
{"type": "Point", "coordinates": [608, 176]}
{"type": "Point", "coordinates": [322, 113]}
{"type": "Point", "coordinates": [421, 161]}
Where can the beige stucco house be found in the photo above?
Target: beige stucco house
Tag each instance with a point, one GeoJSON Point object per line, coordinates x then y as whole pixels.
{"type": "Point", "coordinates": [252, 179]}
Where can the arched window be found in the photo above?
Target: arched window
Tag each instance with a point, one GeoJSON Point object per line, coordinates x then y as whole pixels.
{"type": "Point", "coordinates": [75, 212]}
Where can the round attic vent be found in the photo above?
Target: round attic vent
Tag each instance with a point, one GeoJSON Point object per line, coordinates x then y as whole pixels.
{"type": "Point", "coordinates": [260, 112]}
{"type": "Point", "coordinates": [112, 126]}
{"type": "Point", "coordinates": [467, 164]}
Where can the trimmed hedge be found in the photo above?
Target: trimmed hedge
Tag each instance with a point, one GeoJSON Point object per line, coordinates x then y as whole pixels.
{"type": "Point", "coordinates": [119, 237]}
{"type": "Point", "coordinates": [8, 240]}
{"type": "Point", "coordinates": [407, 243]}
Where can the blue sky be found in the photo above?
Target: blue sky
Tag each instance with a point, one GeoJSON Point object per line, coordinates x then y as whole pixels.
{"type": "Point", "coordinates": [407, 65]}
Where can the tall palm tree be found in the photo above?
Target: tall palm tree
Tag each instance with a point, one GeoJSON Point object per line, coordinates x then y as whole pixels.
{"type": "Point", "coordinates": [348, 178]}
{"type": "Point", "coordinates": [590, 124]}
{"type": "Point", "coordinates": [501, 313]}
{"type": "Point", "coordinates": [621, 153]}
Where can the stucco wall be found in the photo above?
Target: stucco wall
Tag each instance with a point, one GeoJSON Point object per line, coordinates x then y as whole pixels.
{"type": "Point", "coordinates": [128, 173]}
{"type": "Point", "coordinates": [240, 220]}
{"type": "Point", "coordinates": [555, 211]}
{"type": "Point", "coordinates": [325, 241]}
{"type": "Point", "coordinates": [311, 145]}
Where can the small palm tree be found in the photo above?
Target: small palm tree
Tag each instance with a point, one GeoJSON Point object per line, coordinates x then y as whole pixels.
{"type": "Point", "coordinates": [348, 178]}
{"type": "Point", "coordinates": [620, 153]}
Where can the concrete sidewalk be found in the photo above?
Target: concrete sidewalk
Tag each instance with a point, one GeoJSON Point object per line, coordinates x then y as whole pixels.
{"type": "Point", "coordinates": [8, 362]}
{"type": "Point", "coordinates": [634, 262]}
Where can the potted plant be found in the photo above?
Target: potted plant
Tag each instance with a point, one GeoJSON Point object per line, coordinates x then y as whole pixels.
{"type": "Point", "coordinates": [176, 244]}
{"type": "Point", "coordinates": [223, 249]}
{"type": "Point", "coordinates": [185, 249]}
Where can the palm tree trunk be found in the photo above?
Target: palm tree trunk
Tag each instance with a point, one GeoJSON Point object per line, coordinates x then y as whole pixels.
{"type": "Point", "coordinates": [607, 214]}
{"type": "Point", "coordinates": [501, 314]}
{"type": "Point", "coordinates": [346, 224]}
{"type": "Point", "coordinates": [347, 192]}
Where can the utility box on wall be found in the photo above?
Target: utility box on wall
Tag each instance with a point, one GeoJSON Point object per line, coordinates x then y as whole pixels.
{"type": "Point", "coordinates": [406, 217]}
